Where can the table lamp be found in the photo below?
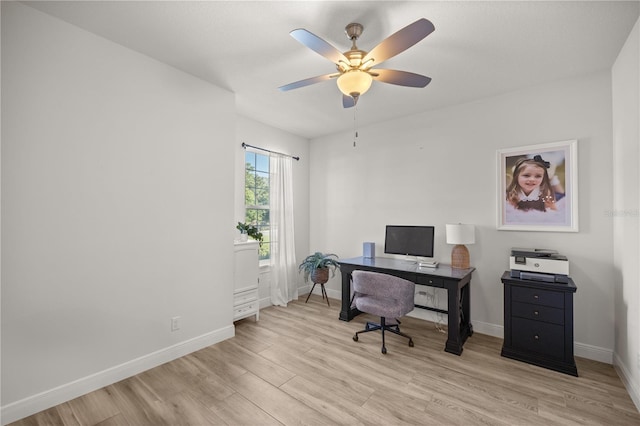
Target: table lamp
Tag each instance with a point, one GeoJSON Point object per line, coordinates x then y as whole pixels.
{"type": "Point", "coordinates": [460, 234]}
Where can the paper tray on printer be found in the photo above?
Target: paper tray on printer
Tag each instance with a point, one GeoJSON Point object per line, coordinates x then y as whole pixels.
{"type": "Point", "coordinates": [527, 252]}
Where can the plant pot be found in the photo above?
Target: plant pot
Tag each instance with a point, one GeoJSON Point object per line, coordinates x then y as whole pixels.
{"type": "Point", "coordinates": [320, 275]}
{"type": "Point", "coordinates": [244, 238]}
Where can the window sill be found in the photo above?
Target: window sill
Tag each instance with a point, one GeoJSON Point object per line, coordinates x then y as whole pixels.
{"type": "Point", "coordinates": [264, 265]}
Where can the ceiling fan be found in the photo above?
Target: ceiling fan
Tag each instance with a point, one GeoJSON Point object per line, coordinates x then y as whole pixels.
{"type": "Point", "coordinates": [355, 67]}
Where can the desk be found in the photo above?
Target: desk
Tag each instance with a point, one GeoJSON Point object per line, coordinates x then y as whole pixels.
{"type": "Point", "coordinates": [455, 281]}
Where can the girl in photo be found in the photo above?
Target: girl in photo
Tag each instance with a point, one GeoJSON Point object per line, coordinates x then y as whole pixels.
{"type": "Point", "coordinates": [531, 188]}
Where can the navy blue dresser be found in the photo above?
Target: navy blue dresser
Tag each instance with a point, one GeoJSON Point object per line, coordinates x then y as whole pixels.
{"type": "Point", "coordinates": [538, 323]}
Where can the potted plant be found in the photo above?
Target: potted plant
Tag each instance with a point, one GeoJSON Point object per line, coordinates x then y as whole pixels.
{"type": "Point", "coordinates": [317, 267]}
{"type": "Point", "coordinates": [250, 231]}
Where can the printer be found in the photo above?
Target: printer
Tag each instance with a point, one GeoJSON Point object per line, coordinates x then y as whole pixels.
{"type": "Point", "coordinates": [539, 265]}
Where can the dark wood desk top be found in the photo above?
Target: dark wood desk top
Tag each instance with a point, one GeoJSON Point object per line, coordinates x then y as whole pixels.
{"type": "Point", "coordinates": [442, 270]}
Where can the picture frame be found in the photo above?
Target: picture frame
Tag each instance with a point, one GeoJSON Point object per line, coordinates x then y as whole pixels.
{"type": "Point", "coordinates": [537, 187]}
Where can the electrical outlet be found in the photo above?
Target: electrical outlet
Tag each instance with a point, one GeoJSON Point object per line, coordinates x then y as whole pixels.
{"type": "Point", "coordinates": [175, 323]}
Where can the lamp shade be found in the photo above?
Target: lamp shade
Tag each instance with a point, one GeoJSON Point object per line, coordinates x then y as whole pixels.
{"type": "Point", "coordinates": [460, 234]}
{"type": "Point", "coordinates": [354, 83]}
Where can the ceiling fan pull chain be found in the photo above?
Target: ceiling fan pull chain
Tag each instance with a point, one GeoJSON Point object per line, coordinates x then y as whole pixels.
{"type": "Point", "coordinates": [355, 126]}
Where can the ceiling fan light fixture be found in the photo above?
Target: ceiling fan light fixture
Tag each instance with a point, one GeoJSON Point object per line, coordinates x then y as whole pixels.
{"type": "Point", "coordinates": [354, 83]}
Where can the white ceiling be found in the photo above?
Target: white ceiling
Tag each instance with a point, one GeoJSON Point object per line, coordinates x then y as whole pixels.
{"type": "Point", "coordinates": [478, 49]}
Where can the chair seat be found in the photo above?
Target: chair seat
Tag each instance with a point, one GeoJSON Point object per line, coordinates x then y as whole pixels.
{"type": "Point", "coordinates": [378, 307]}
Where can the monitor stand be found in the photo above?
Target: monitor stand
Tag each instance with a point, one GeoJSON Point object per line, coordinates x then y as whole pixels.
{"type": "Point", "coordinates": [409, 259]}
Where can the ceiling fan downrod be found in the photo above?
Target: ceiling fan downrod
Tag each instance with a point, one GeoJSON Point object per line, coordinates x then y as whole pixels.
{"type": "Point", "coordinates": [353, 31]}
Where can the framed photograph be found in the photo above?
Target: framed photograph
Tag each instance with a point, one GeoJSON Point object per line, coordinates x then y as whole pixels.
{"type": "Point", "coordinates": [538, 187]}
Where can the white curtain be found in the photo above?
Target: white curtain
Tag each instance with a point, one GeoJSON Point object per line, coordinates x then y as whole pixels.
{"type": "Point", "coordinates": [284, 286]}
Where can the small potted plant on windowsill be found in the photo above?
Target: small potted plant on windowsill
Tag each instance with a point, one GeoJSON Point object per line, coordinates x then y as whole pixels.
{"type": "Point", "coordinates": [249, 230]}
{"type": "Point", "coordinates": [317, 266]}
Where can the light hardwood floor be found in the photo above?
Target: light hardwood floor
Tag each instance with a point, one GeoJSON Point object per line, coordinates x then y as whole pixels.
{"type": "Point", "coordinates": [299, 365]}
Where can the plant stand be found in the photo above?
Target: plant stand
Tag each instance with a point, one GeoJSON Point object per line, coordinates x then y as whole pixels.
{"type": "Point", "coordinates": [324, 293]}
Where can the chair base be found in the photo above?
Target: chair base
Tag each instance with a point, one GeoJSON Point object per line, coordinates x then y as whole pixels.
{"type": "Point", "coordinates": [324, 293]}
{"type": "Point", "coordinates": [393, 328]}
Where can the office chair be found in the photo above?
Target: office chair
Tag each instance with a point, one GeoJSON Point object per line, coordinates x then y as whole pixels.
{"type": "Point", "coordinates": [383, 295]}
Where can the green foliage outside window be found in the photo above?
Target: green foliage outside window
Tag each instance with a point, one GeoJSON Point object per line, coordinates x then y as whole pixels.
{"type": "Point", "coordinates": [256, 197]}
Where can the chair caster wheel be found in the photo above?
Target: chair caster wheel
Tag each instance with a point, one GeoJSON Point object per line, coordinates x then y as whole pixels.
{"type": "Point", "coordinates": [384, 350]}
{"type": "Point", "coordinates": [410, 343]}
{"type": "Point", "coordinates": [355, 337]}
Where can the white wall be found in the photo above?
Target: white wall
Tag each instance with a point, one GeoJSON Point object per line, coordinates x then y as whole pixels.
{"type": "Point", "coordinates": [117, 212]}
{"type": "Point", "coordinates": [259, 134]}
{"type": "Point", "coordinates": [439, 167]}
{"type": "Point", "coordinates": [626, 137]}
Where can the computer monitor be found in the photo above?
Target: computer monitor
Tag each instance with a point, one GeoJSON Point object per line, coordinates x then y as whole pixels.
{"type": "Point", "coordinates": [409, 240]}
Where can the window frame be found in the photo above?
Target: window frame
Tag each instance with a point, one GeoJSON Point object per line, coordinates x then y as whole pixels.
{"type": "Point", "coordinates": [257, 168]}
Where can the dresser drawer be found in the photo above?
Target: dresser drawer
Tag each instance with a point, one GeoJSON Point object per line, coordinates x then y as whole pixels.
{"type": "Point", "coordinates": [246, 296]}
{"type": "Point", "coordinates": [537, 296]}
{"type": "Point", "coordinates": [537, 312]}
{"type": "Point", "coordinates": [246, 309]}
{"type": "Point", "coordinates": [540, 337]}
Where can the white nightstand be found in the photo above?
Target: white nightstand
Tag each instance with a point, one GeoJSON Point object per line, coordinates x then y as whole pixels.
{"type": "Point", "coordinates": [245, 287]}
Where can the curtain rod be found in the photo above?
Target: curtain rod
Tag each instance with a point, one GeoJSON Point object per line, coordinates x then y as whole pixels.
{"type": "Point", "coordinates": [246, 145]}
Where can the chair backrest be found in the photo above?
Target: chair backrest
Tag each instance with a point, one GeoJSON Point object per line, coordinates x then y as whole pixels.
{"type": "Point", "coordinates": [383, 286]}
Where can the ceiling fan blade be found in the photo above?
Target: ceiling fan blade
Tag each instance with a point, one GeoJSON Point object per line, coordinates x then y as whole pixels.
{"type": "Point", "coordinates": [318, 45]}
{"type": "Point", "coordinates": [401, 78]}
{"type": "Point", "coordinates": [399, 41]}
{"type": "Point", "coordinates": [348, 101]}
{"type": "Point", "coordinates": [307, 82]}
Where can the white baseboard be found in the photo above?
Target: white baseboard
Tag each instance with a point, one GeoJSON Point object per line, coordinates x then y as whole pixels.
{"type": "Point", "coordinates": [429, 316]}
{"type": "Point", "coordinates": [594, 353]}
{"type": "Point", "coordinates": [582, 350]}
{"type": "Point", "coordinates": [47, 399]}
{"type": "Point", "coordinates": [627, 379]}
{"type": "Point", "coordinates": [265, 302]}
{"type": "Point", "coordinates": [489, 329]}
{"type": "Point", "coordinates": [303, 291]}
{"type": "Point", "coordinates": [332, 294]}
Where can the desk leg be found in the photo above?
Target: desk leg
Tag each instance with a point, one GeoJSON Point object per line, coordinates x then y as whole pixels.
{"type": "Point", "coordinates": [454, 343]}
{"type": "Point", "coordinates": [459, 324]}
{"type": "Point", "coordinates": [466, 329]}
{"type": "Point", "coordinates": [346, 312]}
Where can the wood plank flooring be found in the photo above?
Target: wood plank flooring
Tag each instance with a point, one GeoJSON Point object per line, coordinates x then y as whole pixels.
{"type": "Point", "coordinates": [299, 366]}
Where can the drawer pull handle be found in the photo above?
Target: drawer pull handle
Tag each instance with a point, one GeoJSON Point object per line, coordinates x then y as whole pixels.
{"type": "Point", "coordinates": [536, 337]}
{"type": "Point", "coordinates": [535, 296]}
{"type": "Point", "coordinates": [536, 313]}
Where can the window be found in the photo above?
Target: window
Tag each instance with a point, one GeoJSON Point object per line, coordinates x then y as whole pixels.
{"type": "Point", "coordinates": [256, 197]}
